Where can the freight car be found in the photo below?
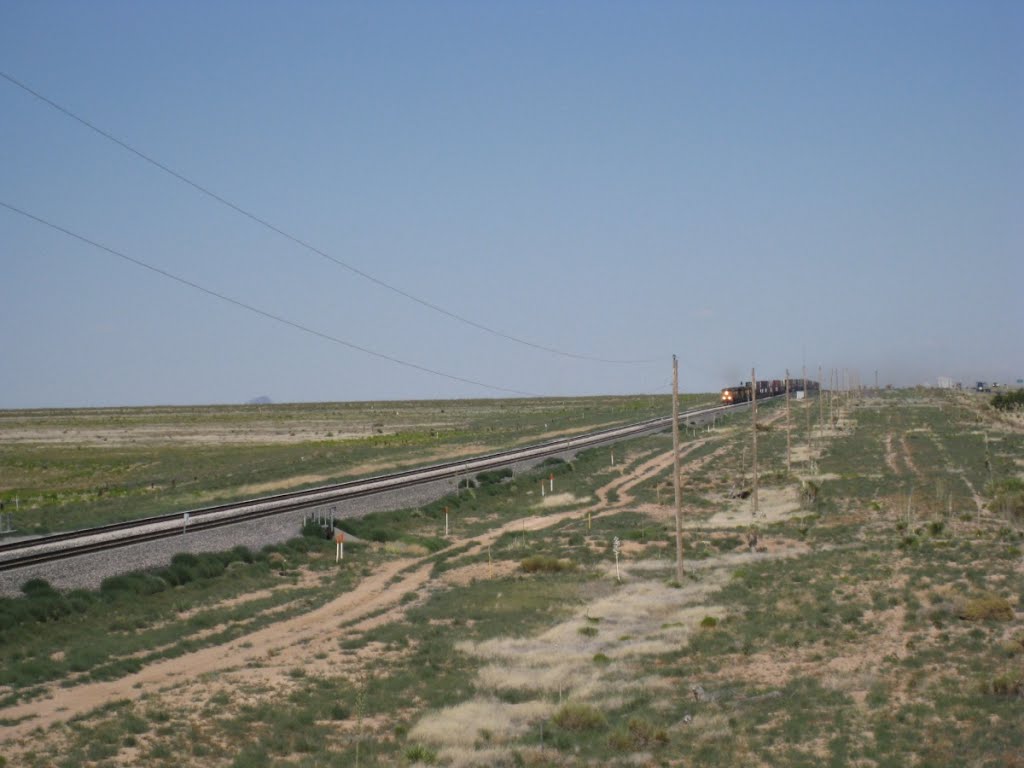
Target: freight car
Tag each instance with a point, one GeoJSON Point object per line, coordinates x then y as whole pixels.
{"type": "Point", "coordinates": [766, 388]}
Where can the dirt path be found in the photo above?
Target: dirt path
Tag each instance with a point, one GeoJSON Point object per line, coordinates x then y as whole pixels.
{"type": "Point", "coordinates": [891, 459]}
{"type": "Point", "coordinates": [908, 456]}
{"type": "Point", "coordinates": [374, 601]}
{"type": "Point", "coordinates": [371, 595]}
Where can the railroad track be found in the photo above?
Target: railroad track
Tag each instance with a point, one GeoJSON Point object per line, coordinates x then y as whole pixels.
{"type": "Point", "coordinates": [20, 554]}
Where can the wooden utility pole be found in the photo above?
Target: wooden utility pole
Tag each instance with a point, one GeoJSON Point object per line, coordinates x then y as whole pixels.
{"type": "Point", "coordinates": [821, 406]}
{"type": "Point", "coordinates": [753, 422]}
{"type": "Point", "coordinates": [807, 410]}
{"type": "Point", "coordinates": [675, 469]}
{"type": "Point", "coordinates": [831, 395]}
{"type": "Point", "coordinates": [787, 422]}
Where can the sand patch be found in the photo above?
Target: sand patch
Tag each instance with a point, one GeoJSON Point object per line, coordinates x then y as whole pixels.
{"type": "Point", "coordinates": [462, 724]}
{"type": "Point", "coordinates": [804, 453]}
{"type": "Point", "coordinates": [460, 577]}
{"type": "Point", "coordinates": [558, 500]}
{"type": "Point", "coordinates": [774, 504]}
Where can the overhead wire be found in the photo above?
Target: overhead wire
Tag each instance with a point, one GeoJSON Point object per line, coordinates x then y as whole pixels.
{"type": "Point", "coordinates": [302, 243]}
{"type": "Point", "coordinates": [262, 312]}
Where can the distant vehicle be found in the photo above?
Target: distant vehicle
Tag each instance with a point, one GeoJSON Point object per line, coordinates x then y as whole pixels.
{"type": "Point", "coordinates": [983, 387]}
{"type": "Point", "coordinates": [766, 388]}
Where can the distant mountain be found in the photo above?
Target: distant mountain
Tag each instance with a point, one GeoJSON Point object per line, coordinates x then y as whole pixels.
{"type": "Point", "coordinates": [261, 400]}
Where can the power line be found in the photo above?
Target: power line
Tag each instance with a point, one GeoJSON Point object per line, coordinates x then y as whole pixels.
{"type": "Point", "coordinates": [264, 223]}
{"type": "Point", "coordinates": [262, 312]}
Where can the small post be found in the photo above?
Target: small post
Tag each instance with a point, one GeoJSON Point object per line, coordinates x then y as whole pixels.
{"type": "Point", "coordinates": [807, 410]}
{"type": "Point", "coordinates": [787, 423]}
{"type": "Point", "coordinates": [542, 489]}
{"type": "Point", "coordinates": [552, 479]}
{"type": "Point", "coordinates": [675, 470]}
{"type": "Point", "coordinates": [616, 546]}
{"type": "Point", "coordinates": [184, 523]}
{"type": "Point", "coordinates": [753, 422]}
{"type": "Point", "coordinates": [613, 457]}
{"type": "Point", "coordinates": [446, 521]}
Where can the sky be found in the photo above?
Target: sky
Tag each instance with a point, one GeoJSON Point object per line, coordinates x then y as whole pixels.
{"type": "Point", "coordinates": [742, 184]}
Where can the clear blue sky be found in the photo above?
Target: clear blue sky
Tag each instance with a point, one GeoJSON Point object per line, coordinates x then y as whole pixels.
{"type": "Point", "coordinates": [742, 184]}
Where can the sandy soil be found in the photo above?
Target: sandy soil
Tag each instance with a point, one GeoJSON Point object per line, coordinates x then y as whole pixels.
{"type": "Point", "coordinates": [250, 432]}
{"type": "Point", "coordinates": [284, 642]}
{"type": "Point", "coordinates": [557, 500]}
{"type": "Point", "coordinates": [262, 660]}
{"type": "Point", "coordinates": [773, 505]}
{"type": "Point", "coordinates": [890, 455]}
{"type": "Point", "coordinates": [181, 435]}
{"type": "Point", "coordinates": [908, 456]}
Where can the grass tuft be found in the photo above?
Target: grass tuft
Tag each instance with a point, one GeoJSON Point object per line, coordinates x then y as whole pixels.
{"type": "Point", "coordinates": [989, 607]}
{"type": "Point", "coordinates": [580, 717]}
{"type": "Point", "coordinates": [637, 734]}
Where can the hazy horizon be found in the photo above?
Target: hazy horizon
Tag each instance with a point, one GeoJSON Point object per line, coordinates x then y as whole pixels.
{"type": "Point", "coordinates": [743, 186]}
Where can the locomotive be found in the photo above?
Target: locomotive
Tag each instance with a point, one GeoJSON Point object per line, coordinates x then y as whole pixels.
{"type": "Point", "coordinates": [766, 388]}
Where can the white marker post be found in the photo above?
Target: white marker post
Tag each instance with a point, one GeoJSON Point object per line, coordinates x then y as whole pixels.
{"type": "Point", "coordinates": [339, 549]}
{"type": "Point", "coordinates": [552, 489]}
{"type": "Point", "coordinates": [542, 489]}
{"type": "Point", "coordinates": [446, 521]}
{"type": "Point", "coordinates": [613, 457]}
{"type": "Point", "coordinates": [616, 546]}
{"type": "Point", "coordinates": [184, 523]}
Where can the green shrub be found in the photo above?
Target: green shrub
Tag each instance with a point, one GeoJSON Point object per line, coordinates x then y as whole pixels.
{"type": "Point", "coordinates": [1009, 684]}
{"type": "Point", "coordinates": [495, 477]}
{"type": "Point", "coordinates": [638, 734]}
{"type": "Point", "coordinates": [987, 607]}
{"type": "Point", "coordinates": [37, 587]}
{"type": "Point", "coordinates": [1008, 497]}
{"type": "Point", "coordinates": [312, 529]}
{"type": "Point", "coordinates": [242, 554]}
{"type": "Point", "coordinates": [133, 583]}
{"type": "Point", "coordinates": [420, 754]}
{"type": "Point", "coordinates": [579, 717]}
{"type": "Point", "coordinates": [546, 564]}
{"type": "Point", "coordinates": [709, 622]}
{"type": "Point", "coordinates": [1008, 401]}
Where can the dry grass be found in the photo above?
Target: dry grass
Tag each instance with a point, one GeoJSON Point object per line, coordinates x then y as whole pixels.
{"type": "Point", "coordinates": [558, 500]}
{"type": "Point", "coordinates": [481, 719]}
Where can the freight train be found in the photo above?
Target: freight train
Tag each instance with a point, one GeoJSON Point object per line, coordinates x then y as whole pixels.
{"type": "Point", "coordinates": [766, 388]}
